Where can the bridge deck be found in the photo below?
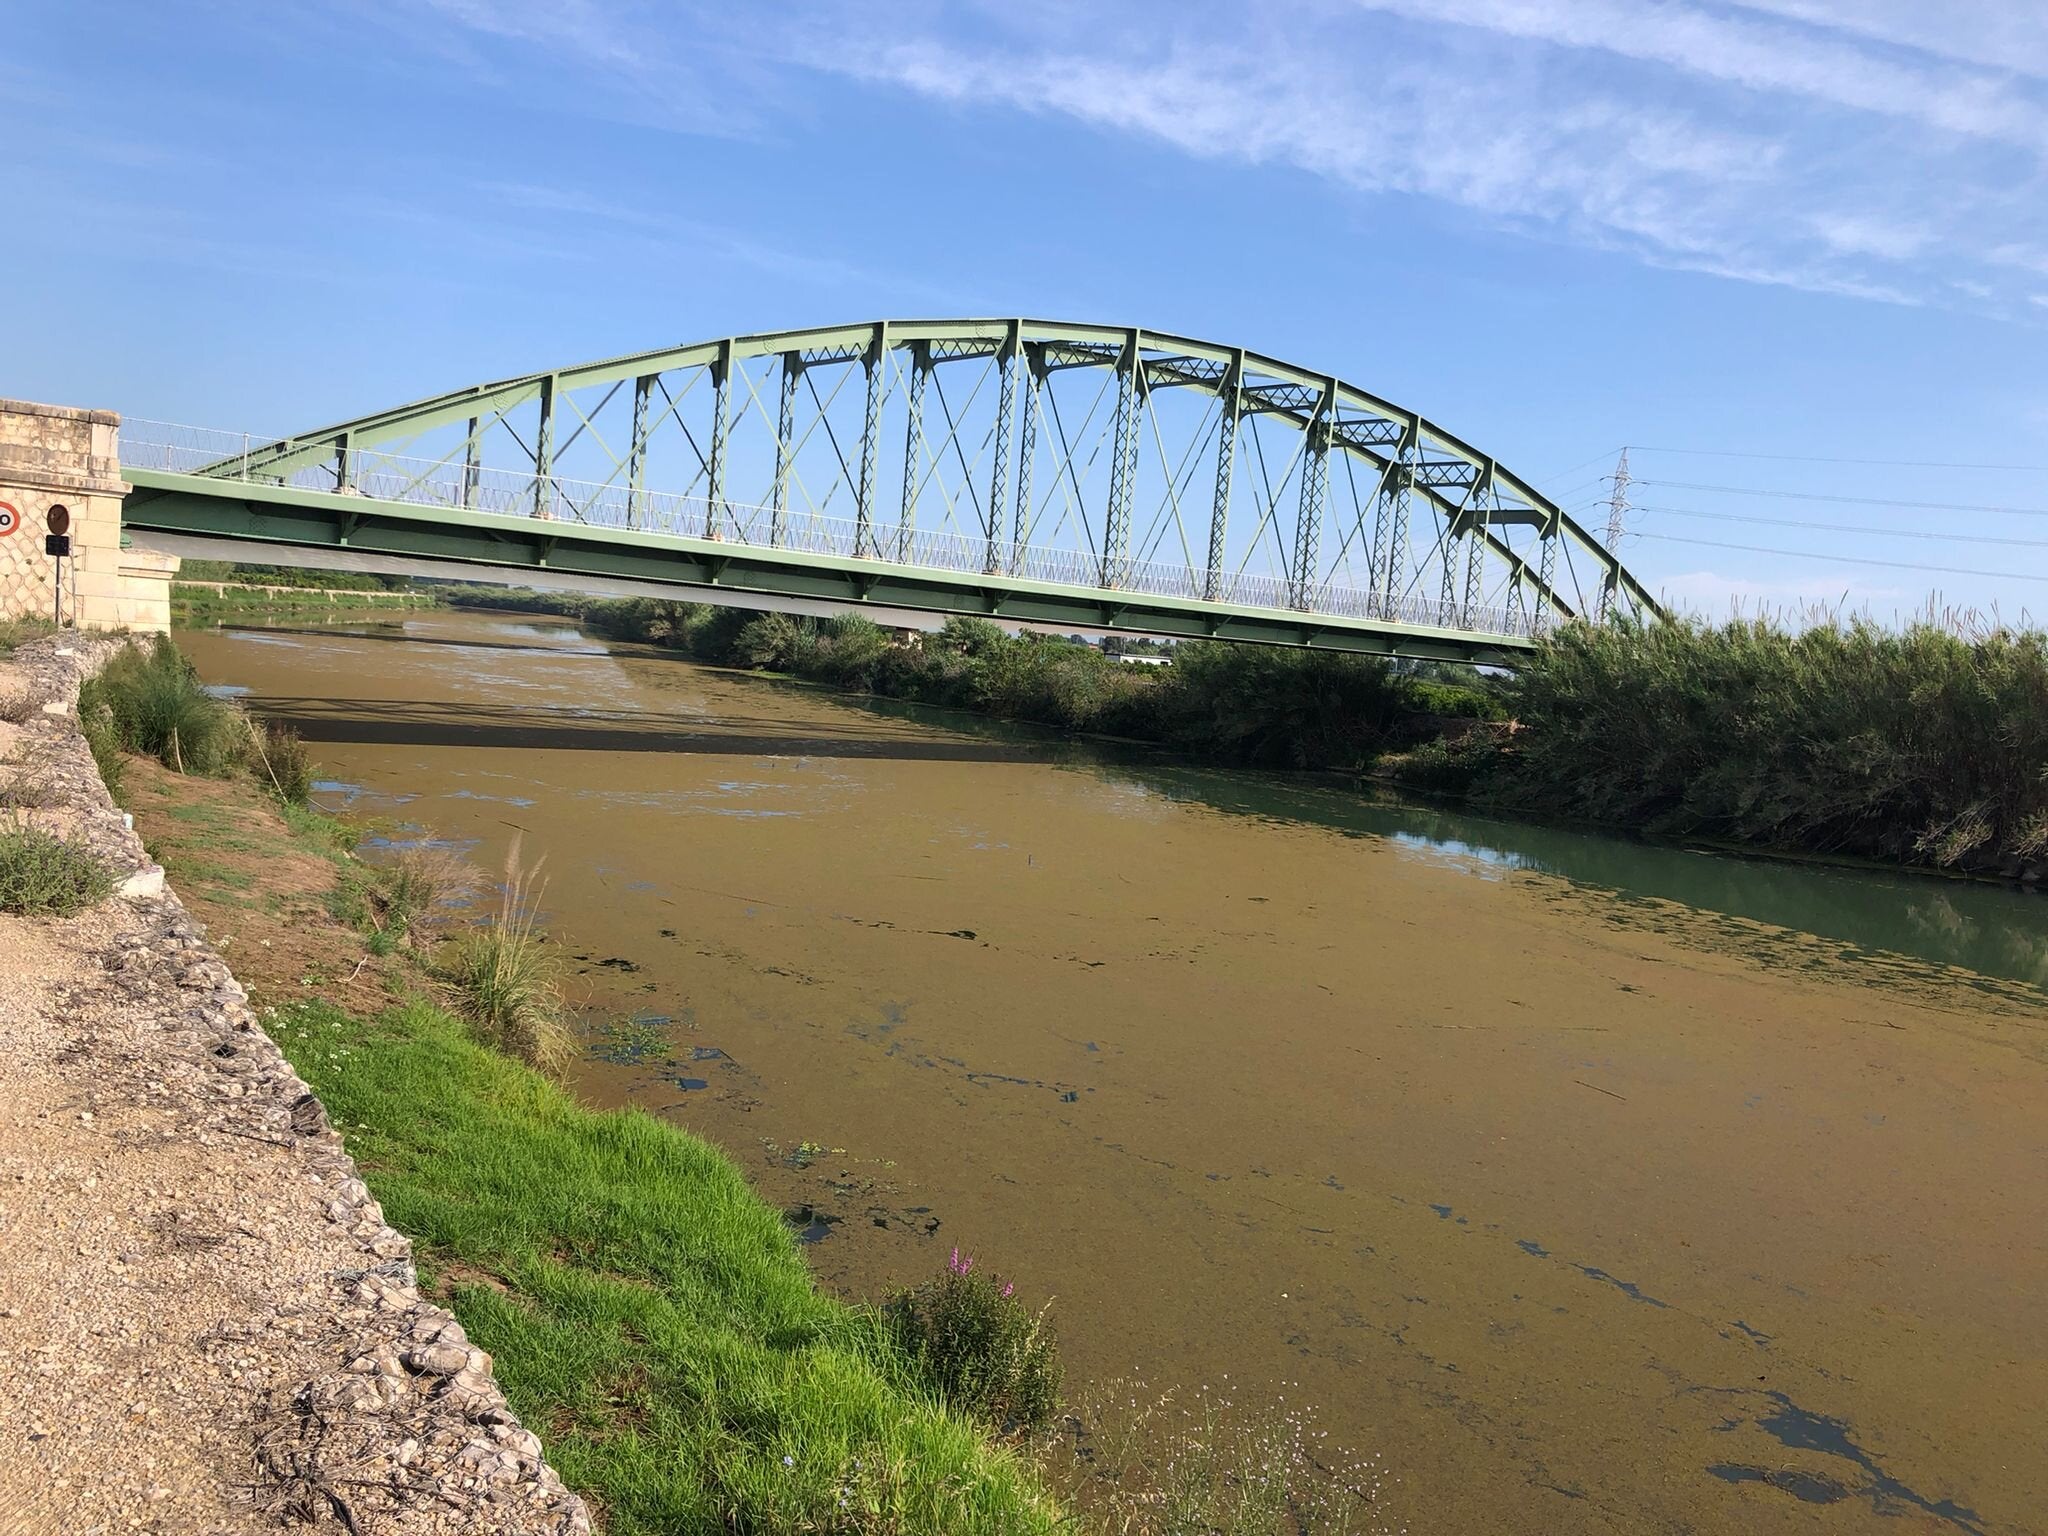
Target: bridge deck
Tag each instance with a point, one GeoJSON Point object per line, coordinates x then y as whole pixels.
{"type": "Point", "coordinates": [815, 559]}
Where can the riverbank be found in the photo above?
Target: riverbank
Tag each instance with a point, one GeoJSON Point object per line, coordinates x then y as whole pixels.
{"type": "Point", "coordinates": [648, 1313]}
{"type": "Point", "coordinates": [198, 1296]}
{"type": "Point", "coordinates": [1920, 748]}
{"type": "Point", "coordinates": [216, 602]}
{"type": "Point", "coordinates": [1220, 1061]}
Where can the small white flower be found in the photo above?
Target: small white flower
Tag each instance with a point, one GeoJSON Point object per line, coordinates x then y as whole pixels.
{"type": "Point", "coordinates": [789, 1461]}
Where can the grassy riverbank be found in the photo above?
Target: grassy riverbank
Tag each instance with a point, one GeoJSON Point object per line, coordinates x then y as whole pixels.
{"type": "Point", "coordinates": [220, 591]}
{"type": "Point", "coordinates": [652, 1319]}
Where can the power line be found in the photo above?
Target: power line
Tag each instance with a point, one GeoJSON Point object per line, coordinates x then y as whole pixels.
{"type": "Point", "coordinates": [1804, 458]}
{"type": "Point", "coordinates": [1860, 501]}
{"type": "Point", "coordinates": [1598, 458]}
{"type": "Point", "coordinates": [1807, 554]}
{"type": "Point", "coordinates": [1889, 533]}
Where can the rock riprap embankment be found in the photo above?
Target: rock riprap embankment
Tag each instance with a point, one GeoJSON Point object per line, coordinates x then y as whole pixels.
{"type": "Point", "coordinates": [205, 1323]}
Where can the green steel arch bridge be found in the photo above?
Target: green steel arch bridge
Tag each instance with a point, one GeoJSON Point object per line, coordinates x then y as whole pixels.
{"type": "Point", "coordinates": [1068, 476]}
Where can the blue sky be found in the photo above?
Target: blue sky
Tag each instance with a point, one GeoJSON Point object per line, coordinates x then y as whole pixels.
{"type": "Point", "coordinates": [1808, 228]}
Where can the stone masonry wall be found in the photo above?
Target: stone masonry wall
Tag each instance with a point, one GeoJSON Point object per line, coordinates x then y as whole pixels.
{"type": "Point", "coordinates": [52, 455]}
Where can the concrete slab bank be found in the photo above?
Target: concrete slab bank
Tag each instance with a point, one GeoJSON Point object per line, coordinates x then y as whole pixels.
{"type": "Point", "coordinates": [205, 1324]}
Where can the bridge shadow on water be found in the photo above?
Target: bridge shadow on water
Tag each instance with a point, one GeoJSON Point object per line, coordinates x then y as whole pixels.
{"type": "Point", "coordinates": [399, 723]}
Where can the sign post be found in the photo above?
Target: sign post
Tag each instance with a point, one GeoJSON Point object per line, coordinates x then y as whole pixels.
{"type": "Point", "coordinates": [57, 545]}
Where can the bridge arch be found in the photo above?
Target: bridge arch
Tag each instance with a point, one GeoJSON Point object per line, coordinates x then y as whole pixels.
{"type": "Point", "coordinates": [1149, 471]}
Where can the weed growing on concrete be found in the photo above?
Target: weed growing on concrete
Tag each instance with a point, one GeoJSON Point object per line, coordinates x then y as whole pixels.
{"type": "Point", "coordinates": [44, 875]}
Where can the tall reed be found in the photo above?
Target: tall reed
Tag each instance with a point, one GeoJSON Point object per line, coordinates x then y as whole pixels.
{"type": "Point", "coordinates": [506, 975]}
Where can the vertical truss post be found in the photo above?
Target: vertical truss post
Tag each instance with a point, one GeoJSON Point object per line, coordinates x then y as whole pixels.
{"type": "Point", "coordinates": [1315, 489]}
{"type": "Point", "coordinates": [1480, 505]}
{"type": "Point", "coordinates": [721, 419]}
{"type": "Point", "coordinates": [1390, 529]}
{"type": "Point", "coordinates": [785, 449]}
{"type": "Point", "coordinates": [1027, 458]}
{"type": "Point", "coordinates": [1546, 576]}
{"type": "Point", "coordinates": [1447, 557]}
{"type": "Point", "coordinates": [913, 446]}
{"type": "Point", "coordinates": [1226, 473]}
{"type": "Point", "coordinates": [999, 473]}
{"type": "Point", "coordinates": [472, 461]}
{"type": "Point", "coordinates": [636, 452]}
{"type": "Point", "coordinates": [544, 452]}
{"type": "Point", "coordinates": [345, 461]}
{"type": "Point", "coordinates": [877, 361]}
{"type": "Point", "coordinates": [1123, 464]}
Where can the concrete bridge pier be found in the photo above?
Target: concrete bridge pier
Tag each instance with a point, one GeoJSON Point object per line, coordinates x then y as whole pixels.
{"type": "Point", "coordinates": [61, 456]}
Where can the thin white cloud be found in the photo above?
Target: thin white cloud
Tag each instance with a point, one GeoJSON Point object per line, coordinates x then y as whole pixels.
{"type": "Point", "coordinates": [1735, 48]}
{"type": "Point", "coordinates": [2004, 35]}
{"type": "Point", "coordinates": [1862, 148]}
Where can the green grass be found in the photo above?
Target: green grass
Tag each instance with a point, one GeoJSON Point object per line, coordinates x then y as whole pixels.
{"type": "Point", "coordinates": [44, 875]}
{"type": "Point", "coordinates": [650, 1317]}
{"type": "Point", "coordinates": [15, 632]}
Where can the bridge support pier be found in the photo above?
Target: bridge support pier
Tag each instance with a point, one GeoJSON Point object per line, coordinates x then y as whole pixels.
{"type": "Point", "coordinates": [60, 456]}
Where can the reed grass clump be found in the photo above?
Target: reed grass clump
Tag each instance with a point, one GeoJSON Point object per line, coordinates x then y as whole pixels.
{"type": "Point", "coordinates": [422, 887]}
{"type": "Point", "coordinates": [1924, 744]}
{"type": "Point", "coordinates": [279, 761]}
{"type": "Point", "coordinates": [506, 976]}
{"type": "Point", "coordinates": [159, 708]}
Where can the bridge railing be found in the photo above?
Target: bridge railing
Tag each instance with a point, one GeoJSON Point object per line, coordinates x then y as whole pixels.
{"type": "Point", "coordinates": [451, 485]}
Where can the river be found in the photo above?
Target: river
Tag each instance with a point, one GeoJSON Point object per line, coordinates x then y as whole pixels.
{"type": "Point", "coordinates": [1591, 1187]}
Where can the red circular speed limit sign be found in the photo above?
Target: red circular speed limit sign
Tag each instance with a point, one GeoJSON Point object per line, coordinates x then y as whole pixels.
{"type": "Point", "coordinates": [10, 518]}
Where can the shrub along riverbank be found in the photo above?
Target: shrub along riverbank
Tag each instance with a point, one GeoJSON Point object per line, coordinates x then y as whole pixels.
{"type": "Point", "coordinates": [1253, 706]}
{"type": "Point", "coordinates": [1922, 746]}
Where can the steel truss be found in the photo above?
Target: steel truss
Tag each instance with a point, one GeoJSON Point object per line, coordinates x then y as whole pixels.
{"type": "Point", "coordinates": [1034, 451]}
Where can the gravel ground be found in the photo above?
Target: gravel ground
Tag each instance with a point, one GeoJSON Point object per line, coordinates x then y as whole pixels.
{"type": "Point", "coordinates": [205, 1324]}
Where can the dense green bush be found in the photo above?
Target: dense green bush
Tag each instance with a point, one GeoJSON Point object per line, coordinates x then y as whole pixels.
{"type": "Point", "coordinates": [971, 1341]}
{"type": "Point", "coordinates": [1924, 744]}
{"type": "Point", "coordinates": [44, 875]}
{"type": "Point", "coordinates": [151, 702]}
{"type": "Point", "coordinates": [158, 708]}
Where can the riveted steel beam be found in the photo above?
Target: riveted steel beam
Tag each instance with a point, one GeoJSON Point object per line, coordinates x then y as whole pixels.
{"type": "Point", "coordinates": [544, 451]}
{"type": "Point", "coordinates": [785, 447]}
{"type": "Point", "coordinates": [877, 364]}
{"type": "Point", "coordinates": [1123, 464]}
{"type": "Point", "coordinates": [913, 445]}
{"type": "Point", "coordinates": [1226, 474]}
{"type": "Point", "coordinates": [1027, 457]}
{"type": "Point", "coordinates": [1315, 487]}
{"type": "Point", "coordinates": [998, 477]}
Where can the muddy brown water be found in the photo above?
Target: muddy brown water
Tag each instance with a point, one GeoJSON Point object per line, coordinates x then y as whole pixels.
{"type": "Point", "coordinates": [1590, 1187]}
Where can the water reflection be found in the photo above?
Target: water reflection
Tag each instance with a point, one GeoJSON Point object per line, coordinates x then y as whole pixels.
{"type": "Point", "coordinates": [1983, 928]}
